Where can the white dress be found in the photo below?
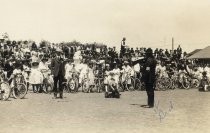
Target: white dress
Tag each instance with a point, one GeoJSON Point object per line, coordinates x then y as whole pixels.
{"type": "Point", "coordinates": [116, 75]}
{"type": "Point", "coordinates": [83, 71]}
{"type": "Point", "coordinates": [68, 68]}
{"type": "Point", "coordinates": [136, 68]}
{"type": "Point", "coordinates": [127, 71]}
{"type": "Point", "coordinates": [36, 77]}
{"type": "Point", "coordinates": [91, 76]}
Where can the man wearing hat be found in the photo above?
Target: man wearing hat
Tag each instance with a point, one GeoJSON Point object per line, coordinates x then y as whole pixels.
{"type": "Point", "coordinates": [122, 50]}
{"type": "Point", "coordinates": [149, 77]}
{"type": "Point", "coordinates": [58, 71]}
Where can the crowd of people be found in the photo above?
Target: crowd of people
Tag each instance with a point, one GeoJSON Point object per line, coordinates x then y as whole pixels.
{"type": "Point", "coordinates": [57, 62]}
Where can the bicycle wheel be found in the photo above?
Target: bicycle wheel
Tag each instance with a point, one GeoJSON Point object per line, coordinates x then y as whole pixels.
{"type": "Point", "coordinates": [159, 85]}
{"type": "Point", "coordinates": [167, 83]}
{"type": "Point", "coordinates": [121, 87]}
{"type": "Point", "coordinates": [138, 85]}
{"type": "Point", "coordinates": [85, 86]}
{"type": "Point", "coordinates": [176, 84]}
{"type": "Point", "coordinates": [5, 91]}
{"type": "Point", "coordinates": [66, 88]}
{"type": "Point", "coordinates": [71, 86]}
{"type": "Point", "coordinates": [48, 88]}
{"type": "Point", "coordinates": [100, 86]}
{"type": "Point", "coordinates": [130, 86]}
{"type": "Point", "coordinates": [195, 83]}
{"type": "Point", "coordinates": [186, 83]}
{"type": "Point", "coordinates": [19, 91]}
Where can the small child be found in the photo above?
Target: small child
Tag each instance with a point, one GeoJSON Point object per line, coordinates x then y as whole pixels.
{"type": "Point", "coordinates": [204, 81]}
{"type": "Point", "coordinates": [36, 77]}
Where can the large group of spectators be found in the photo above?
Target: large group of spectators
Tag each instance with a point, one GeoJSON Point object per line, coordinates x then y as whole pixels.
{"type": "Point", "coordinates": [96, 59]}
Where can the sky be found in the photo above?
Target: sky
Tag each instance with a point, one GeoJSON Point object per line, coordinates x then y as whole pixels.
{"type": "Point", "coordinates": [144, 23]}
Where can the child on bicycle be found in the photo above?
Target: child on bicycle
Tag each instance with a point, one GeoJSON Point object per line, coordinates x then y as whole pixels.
{"type": "Point", "coordinates": [16, 72]}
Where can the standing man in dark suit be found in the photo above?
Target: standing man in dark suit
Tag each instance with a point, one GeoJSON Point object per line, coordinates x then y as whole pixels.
{"type": "Point", "coordinates": [58, 72]}
{"type": "Point", "coordinates": [149, 77]}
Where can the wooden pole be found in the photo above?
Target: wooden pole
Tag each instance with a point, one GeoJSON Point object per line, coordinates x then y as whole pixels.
{"type": "Point", "coordinates": [172, 44]}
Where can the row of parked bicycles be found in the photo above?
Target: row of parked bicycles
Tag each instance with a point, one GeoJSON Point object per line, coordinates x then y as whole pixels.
{"type": "Point", "coordinates": [72, 85]}
{"type": "Point", "coordinates": [19, 89]}
{"type": "Point", "coordinates": [183, 81]}
{"type": "Point", "coordinates": [133, 83]}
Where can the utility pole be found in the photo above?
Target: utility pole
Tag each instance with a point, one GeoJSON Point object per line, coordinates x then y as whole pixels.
{"type": "Point", "coordinates": [172, 45]}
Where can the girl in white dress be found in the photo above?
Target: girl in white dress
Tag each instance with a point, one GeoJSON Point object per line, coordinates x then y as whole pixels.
{"type": "Point", "coordinates": [36, 77]}
{"type": "Point", "coordinates": [44, 69]}
{"type": "Point", "coordinates": [68, 68]}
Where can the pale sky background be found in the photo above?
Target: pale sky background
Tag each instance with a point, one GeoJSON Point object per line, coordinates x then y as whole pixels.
{"type": "Point", "coordinates": [150, 23]}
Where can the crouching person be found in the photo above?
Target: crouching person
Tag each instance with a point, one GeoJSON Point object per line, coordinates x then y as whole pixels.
{"type": "Point", "coordinates": [111, 87]}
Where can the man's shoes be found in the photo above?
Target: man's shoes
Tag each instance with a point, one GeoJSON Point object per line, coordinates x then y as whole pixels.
{"type": "Point", "coordinates": [147, 106]}
{"type": "Point", "coordinates": [61, 95]}
{"type": "Point", "coordinates": [55, 95]}
{"type": "Point", "coordinates": [143, 105]}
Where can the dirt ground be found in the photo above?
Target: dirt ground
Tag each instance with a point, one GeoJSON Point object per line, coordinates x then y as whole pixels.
{"type": "Point", "coordinates": [186, 111]}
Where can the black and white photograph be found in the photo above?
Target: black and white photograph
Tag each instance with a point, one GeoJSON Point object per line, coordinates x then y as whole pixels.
{"type": "Point", "coordinates": [104, 66]}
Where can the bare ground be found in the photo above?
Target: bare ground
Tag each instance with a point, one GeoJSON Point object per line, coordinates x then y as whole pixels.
{"type": "Point", "coordinates": [186, 111]}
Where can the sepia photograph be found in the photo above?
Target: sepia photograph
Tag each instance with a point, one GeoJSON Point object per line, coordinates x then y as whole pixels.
{"type": "Point", "coordinates": [104, 66]}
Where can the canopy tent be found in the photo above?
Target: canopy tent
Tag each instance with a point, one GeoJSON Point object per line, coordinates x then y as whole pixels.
{"type": "Point", "coordinates": [202, 54]}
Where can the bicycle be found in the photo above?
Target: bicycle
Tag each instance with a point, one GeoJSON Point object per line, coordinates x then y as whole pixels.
{"type": "Point", "coordinates": [162, 83]}
{"type": "Point", "coordinates": [136, 82]}
{"type": "Point", "coordinates": [72, 83]}
{"type": "Point", "coordinates": [85, 85]}
{"type": "Point", "coordinates": [174, 84]}
{"type": "Point", "coordinates": [127, 84]}
{"type": "Point", "coordinates": [99, 83]}
{"type": "Point", "coordinates": [5, 89]}
{"type": "Point", "coordinates": [19, 90]}
{"type": "Point", "coordinates": [194, 81]}
{"type": "Point", "coordinates": [47, 85]}
{"type": "Point", "coordinates": [185, 81]}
